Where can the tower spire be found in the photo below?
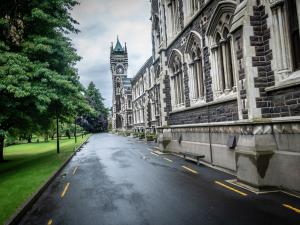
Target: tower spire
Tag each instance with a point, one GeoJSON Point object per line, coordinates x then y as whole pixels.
{"type": "Point", "coordinates": [118, 47]}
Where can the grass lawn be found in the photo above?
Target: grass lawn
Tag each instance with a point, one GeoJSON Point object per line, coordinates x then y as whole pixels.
{"type": "Point", "coordinates": [28, 166]}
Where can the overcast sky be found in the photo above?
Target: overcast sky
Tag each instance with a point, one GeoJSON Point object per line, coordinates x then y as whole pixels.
{"type": "Point", "coordinates": [100, 23]}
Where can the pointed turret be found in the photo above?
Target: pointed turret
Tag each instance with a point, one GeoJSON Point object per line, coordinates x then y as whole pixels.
{"type": "Point", "coordinates": [118, 47]}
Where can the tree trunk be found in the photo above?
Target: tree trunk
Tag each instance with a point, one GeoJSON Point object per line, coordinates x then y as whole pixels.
{"type": "Point", "coordinates": [57, 134]}
{"type": "Point", "coordinates": [29, 139]}
{"type": "Point", "coordinates": [75, 132]}
{"type": "Point", "coordinates": [1, 148]}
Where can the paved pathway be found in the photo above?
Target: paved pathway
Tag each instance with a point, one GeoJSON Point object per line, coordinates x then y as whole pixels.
{"type": "Point", "coordinates": [117, 180]}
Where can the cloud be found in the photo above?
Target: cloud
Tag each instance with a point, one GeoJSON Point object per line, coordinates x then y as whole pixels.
{"type": "Point", "coordinates": [100, 23]}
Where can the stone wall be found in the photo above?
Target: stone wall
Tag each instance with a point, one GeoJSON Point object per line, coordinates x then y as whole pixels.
{"type": "Point", "coordinates": [281, 103]}
{"type": "Point", "coordinates": [260, 157]}
{"type": "Point", "coordinates": [214, 113]}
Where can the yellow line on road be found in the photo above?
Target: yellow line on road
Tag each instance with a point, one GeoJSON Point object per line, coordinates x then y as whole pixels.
{"type": "Point", "coordinates": [65, 190]}
{"type": "Point", "coordinates": [230, 188]}
{"type": "Point", "coordinates": [75, 170]}
{"type": "Point", "coordinates": [169, 160]}
{"type": "Point", "coordinates": [292, 208]}
{"type": "Point", "coordinates": [49, 222]}
{"type": "Point", "coordinates": [193, 171]}
{"type": "Point", "coordinates": [154, 154]}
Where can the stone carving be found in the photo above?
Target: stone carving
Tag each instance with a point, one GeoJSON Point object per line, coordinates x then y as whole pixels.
{"type": "Point", "coordinates": [273, 3]}
{"type": "Point", "coordinates": [296, 128]}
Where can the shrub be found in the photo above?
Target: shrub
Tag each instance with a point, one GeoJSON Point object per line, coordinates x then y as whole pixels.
{"type": "Point", "coordinates": [141, 135]}
{"type": "Point", "coordinates": [151, 137]}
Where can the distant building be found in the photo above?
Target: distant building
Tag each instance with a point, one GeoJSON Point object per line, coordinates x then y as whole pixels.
{"type": "Point", "coordinates": [224, 81]}
{"type": "Point", "coordinates": [146, 99]}
{"type": "Point", "coordinates": [122, 99]}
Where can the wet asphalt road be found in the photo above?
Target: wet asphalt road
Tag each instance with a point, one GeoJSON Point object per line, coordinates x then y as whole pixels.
{"type": "Point", "coordinates": [116, 180]}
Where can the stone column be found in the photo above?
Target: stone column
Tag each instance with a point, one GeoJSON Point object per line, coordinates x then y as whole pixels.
{"type": "Point", "coordinates": [282, 47]}
{"type": "Point", "coordinates": [214, 51]}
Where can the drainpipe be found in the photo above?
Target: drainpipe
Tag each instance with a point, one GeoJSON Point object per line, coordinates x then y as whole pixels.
{"type": "Point", "coordinates": [209, 136]}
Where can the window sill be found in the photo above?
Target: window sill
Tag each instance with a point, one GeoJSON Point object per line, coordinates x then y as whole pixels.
{"type": "Point", "coordinates": [198, 102]}
{"type": "Point", "coordinates": [224, 96]}
{"type": "Point", "coordinates": [291, 81]}
{"type": "Point", "coordinates": [178, 108]}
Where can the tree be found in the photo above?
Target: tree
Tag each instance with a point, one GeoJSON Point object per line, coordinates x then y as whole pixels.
{"type": "Point", "coordinates": [96, 122]}
{"type": "Point", "coordinates": [95, 99]}
{"type": "Point", "coordinates": [37, 74]}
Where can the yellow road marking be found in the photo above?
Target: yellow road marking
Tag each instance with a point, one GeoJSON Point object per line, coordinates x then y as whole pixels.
{"type": "Point", "coordinates": [230, 188]}
{"type": "Point", "coordinates": [75, 170]}
{"type": "Point", "coordinates": [65, 190]}
{"type": "Point", "coordinates": [154, 154]}
{"type": "Point", "coordinates": [169, 160]}
{"type": "Point", "coordinates": [292, 208]}
{"type": "Point", "coordinates": [193, 171]}
{"type": "Point", "coordinates": [49, 222]}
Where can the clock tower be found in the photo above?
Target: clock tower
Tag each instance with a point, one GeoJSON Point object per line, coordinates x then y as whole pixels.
{"type": "Point", "coordinates": [119, 67]}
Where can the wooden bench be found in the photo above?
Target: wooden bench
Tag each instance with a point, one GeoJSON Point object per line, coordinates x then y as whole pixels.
{"type": "Point", "coordinates": [193, 155]}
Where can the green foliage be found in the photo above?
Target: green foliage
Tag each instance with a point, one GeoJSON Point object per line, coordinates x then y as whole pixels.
{"type": "Point", "coordinates": [38, 80]}
{"type": "Point", "coordinates": [95, 99]}
{"type": "Point", "coordinates": [95, 120]}
{"type": "Point", "coordinates": [135, 134]}
{"type": "Point", "coordinates": [151, 137]}
{"type": "Point", "coordinates": [141, 135]}
{"type": "Point", "coordinates": [124, 133]}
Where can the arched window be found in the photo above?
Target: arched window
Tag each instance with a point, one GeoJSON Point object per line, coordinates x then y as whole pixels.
{"type": "Point", "coordinates": [224, 61]}
{"type": "Point", "coordinates": [156, 31]}
{"type": "Point", "coordinates": [195, 5]}
{"type": "Point", "coordinates": [129, 103]}
{"type": "Point", "coordinates": [174, 16]}
{"type": "Point", "coordinates": [221, 49]}
{"type": "Point", "coordinates": [294, 32]}
{"type": "Point", "coordinates": [157, 73]}
{"type": "Point", "coordinates": [286, 38]}
{"type": "Point", "coordinates": [175, 65]}
{"type": "Point", "coordinates": [129, 120]}
{"type": "Point", "coordinates": [193, 49]}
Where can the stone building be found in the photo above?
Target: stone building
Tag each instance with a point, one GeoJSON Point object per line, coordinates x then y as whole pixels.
{"type": "Point", "coordinates": [122, 94]}
{"type": "Point", "coordinates": [224, 81]}
{"type": "Point", "coordinates": [146, 99]}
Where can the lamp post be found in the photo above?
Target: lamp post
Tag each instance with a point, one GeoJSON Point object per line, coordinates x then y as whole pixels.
{"type": "Point", "coordinates": [75, 133]}
{"type": "Point", "coordinates": [57, 134]}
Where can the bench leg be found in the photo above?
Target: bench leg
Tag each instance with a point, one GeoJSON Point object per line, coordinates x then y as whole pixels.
{"type": "Point", "coordinates": [198, 162]}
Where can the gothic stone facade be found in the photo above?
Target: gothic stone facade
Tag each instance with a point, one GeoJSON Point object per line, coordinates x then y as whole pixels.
{"type": "Point", "coordinates": [146, 98]}
{"type": "Point", "coordinates": [122, 94]}
{"type": "Point", "coordinates": [224, 81]}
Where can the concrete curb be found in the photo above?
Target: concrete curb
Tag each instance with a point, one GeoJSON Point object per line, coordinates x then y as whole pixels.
{"type": "Point", "coordinates": [23, 209]}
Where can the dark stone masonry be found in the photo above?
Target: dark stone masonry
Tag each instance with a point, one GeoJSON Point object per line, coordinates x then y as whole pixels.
{"type": "Point", "coordinates": [251, 78]}
{"type": "Point", "coordinates": [215, 113]}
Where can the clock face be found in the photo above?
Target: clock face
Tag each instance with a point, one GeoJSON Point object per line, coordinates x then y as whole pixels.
{"type": "Point", "coordinates": [120, 70]}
